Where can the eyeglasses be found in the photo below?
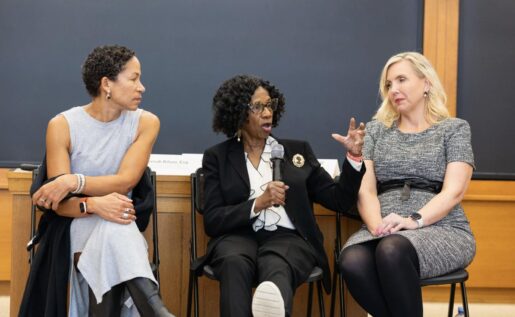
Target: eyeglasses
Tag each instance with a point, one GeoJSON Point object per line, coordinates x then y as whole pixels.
{"type": "Point", "coordinates": [258, 107]}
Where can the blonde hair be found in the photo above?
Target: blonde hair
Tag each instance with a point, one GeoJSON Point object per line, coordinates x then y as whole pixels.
{"type": "Point", "coordinates": [435, 106]}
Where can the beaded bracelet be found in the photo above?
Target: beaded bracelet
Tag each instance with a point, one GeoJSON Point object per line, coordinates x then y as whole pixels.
{"type": "Point", "coordinates": [354, 158]}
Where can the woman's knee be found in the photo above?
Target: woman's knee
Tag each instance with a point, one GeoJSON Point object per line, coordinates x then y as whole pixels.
{"type": "Point", "coordinates": [236, 264]}
{"type": "Point", "coordinates": [353, 259]}
{"type": "Point", "coordinates": [394, 249]}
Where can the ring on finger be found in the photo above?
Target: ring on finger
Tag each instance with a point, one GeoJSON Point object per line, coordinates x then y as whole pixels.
{"type": "Point", "coordinates": [42, 200]}
{"type": "Point", "coordinates": [125, 215]}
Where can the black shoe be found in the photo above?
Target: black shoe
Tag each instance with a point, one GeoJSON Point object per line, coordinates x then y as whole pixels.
{"type": "Point", "coordinates": [145, 296]}
{"type": "Point", "coordinates": [111, 304]}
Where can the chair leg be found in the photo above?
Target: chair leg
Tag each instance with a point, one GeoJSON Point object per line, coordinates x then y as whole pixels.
{"type": "Point", "coordinates": [451, 300]}
{"type": "Point", "coordinates": [310, 299]}
{"type": "Point", "coordinates": [464, 298]}
{"type": "Point", "coordinates": [190, 294]}
{"type": "Point", "coordinates": [333, 293]}
{"type": "Point", "coordinates": [320, 299]}
{"type": "Point", "coordinates": [195, 294]}
{"type": "Point", "coordinates": [342, 297]}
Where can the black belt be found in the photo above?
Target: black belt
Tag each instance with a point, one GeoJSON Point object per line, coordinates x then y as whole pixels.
{"type": "Point", "coordinates": [407, 184]}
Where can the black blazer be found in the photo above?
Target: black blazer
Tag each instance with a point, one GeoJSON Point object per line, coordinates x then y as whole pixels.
{"type": "Point", "coordinates": [227, 205]}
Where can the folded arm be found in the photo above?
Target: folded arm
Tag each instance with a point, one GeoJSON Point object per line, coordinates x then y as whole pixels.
{"type": "Point", "coordinates": [131, 169]}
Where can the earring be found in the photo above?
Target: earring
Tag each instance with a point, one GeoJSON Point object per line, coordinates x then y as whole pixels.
{"type": "Point", "coordinates": [425, 94]}
{"type": "Point", "coordinates": [238, 135]}
{"type": "Point", "coordinates": [108, 96]}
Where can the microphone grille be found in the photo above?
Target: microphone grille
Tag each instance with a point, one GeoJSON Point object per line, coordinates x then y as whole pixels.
{"type": "Point", "coordinates": [277, 151]}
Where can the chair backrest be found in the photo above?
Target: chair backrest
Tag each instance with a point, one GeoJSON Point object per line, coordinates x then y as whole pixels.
{"type": "Point", "coordinates": [199, 190]}
{"type": "Point", "coordinates": [155, 232]}
{"type": "Point", "coordinates": [197, 205]}
{"type": "Point", "coordinates": [352, 213]}
{"type": "Point", "coordinates": [33, 210]}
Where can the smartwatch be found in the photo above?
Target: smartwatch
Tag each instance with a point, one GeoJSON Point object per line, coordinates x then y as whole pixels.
{"type": "Point", "coordinates": [83, 205]}
{"type": "Point", "coordinates": [418, 218]}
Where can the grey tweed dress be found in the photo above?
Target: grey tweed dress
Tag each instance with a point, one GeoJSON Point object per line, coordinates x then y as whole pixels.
{"type": "Point", "coordinates": [449, 243]}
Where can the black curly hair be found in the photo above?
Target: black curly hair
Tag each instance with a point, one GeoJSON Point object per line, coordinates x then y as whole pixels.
{"type": "Point", "coordinates": [104, 61]}
{"type": "Point", "coordinates": [231, 100]}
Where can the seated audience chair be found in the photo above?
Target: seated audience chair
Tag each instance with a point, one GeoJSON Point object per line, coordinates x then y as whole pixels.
{"type": "Point", "coordinates": [197, 205]}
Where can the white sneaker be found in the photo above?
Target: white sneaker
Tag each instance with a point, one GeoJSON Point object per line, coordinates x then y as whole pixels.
{"type": "Point", "coordinates": [267, 301]}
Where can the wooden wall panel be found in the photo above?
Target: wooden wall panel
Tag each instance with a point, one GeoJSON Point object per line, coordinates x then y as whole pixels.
{"type": "Point", "coordinates": [441, 28]}
{"type": "Point", "coordinates": [5, 227]}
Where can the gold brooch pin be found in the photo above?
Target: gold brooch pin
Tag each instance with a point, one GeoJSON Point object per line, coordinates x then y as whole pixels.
{"type": "Point", "coordinates": [298, 160]}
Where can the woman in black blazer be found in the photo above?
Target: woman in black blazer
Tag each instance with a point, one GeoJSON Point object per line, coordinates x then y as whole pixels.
{"type": "Point", "coordinates": [265, 231]}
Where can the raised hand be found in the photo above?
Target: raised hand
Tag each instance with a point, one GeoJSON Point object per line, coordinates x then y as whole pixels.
{"type": "Point", "coordinates": [354, 139]}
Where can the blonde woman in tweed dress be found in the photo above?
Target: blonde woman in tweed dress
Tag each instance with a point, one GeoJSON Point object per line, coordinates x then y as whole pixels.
{"type": "Point", "coordinates": [419, 163]}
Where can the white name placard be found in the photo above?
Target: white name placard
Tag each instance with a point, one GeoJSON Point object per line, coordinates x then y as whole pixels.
{"type": "Point", "coordinates": [175, 164]}
{"type": "Point", "coordinates": [331, 166]}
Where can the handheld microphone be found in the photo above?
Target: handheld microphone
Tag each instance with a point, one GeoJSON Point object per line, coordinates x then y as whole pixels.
{"type": "Point", "coordinates": [277, 162]}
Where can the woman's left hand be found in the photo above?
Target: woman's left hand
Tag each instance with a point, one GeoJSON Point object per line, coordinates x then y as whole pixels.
{"type": "Point", "coordinates": [50, 195]}
{"type": "Point", "coordinates": [393, 223]}
{"type": "Point", "coordinates": [354, 139]}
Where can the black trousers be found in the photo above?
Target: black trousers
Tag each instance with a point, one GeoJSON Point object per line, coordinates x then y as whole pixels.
{"type": "Point", "coordinates": [243, 260]}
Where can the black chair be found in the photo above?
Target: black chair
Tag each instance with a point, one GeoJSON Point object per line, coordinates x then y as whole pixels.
{"type": "Point", "coordinates": [338, 283]}
{"type": "Point", "coordinates": [155, 238]}
{"type": "Point", "coordinates": [33, 213]}
{"type": "Point", "coordinates": [197, 205]}
{"type": "Point", "coordinates": [155, 233]}
{"type": "Point", "coordinates": [459, 276]}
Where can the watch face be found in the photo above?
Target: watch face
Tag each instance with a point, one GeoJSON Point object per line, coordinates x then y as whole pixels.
{"type": "Point", "coordinates": [83, 207]}
{"type": "Point", "coordinates": [415, 216]}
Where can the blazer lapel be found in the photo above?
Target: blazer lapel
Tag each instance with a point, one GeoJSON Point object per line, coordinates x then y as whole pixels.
{"type": "Point", "coordinates": [237, 159]}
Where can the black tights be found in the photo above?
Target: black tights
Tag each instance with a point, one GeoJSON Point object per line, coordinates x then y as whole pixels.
{"type": "Point", "coordinates": [383, 276]}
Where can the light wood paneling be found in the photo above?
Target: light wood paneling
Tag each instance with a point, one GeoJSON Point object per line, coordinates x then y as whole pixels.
{"type": "Point", "coordinates": [5, 227]}
{"type": "Point", "coordinates": [490, 207]}
{"type": "Point", "coordinates": [441, 27]}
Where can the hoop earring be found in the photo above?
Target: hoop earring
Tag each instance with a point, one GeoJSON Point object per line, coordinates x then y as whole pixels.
{"type": "Point", "coordinates": [108, 96]}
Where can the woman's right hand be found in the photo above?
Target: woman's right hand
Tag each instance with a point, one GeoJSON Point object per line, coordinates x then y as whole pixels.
{"type": "Point", "coordinates": [274, 194]}
{"type": "Point", "coordinates": [113, 207]}
{"type": "Point", "coordinates": [52, 193]}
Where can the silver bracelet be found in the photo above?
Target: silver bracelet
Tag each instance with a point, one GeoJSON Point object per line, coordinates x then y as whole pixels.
{"type": "Point", "coordinates": [81, 182]}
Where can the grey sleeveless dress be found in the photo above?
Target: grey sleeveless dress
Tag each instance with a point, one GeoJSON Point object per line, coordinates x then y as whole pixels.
{"type": "Point", "coordinates": [447, 244]}
{"type": "Point", "coordinates": [111, 253]}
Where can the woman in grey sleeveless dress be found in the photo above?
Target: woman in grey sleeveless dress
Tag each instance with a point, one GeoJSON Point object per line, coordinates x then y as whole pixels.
{"type": "Point", "coordinates": [101, 150]}
{"type": "Point", "coordinates": [419, 163]}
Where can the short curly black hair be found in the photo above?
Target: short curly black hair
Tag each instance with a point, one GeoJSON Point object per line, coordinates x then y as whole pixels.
{"type": "Point", "coordinates": [231, 100]}
{"type": "Point", "coordinates": [104, 61]}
